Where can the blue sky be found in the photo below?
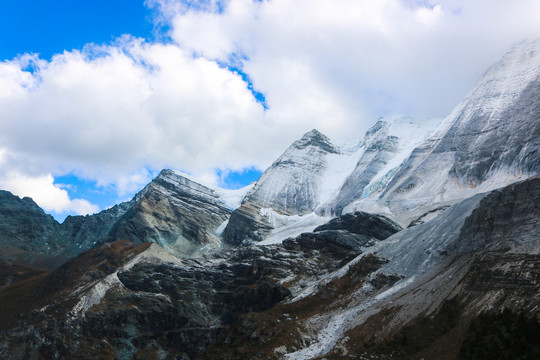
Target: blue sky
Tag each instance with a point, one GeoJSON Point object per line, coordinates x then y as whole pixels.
{"type": "Point", "coordinates": [95, 100]}
{"type": "Point", "coordinates": [52, 26]}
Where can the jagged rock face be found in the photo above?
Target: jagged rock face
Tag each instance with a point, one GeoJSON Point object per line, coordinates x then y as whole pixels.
{"type": "Point", "coordinates": [376, 226]}
{"type": "Point", "coordinates": [22, 219]}
{"type": "Point", "coordinates": [27, 234]}
{"type": "Point", "coordinates": [505, 218]}
{"type": "Point", "coordinates": [246, 223]}
{"type": "Point", "coordinates": [31, 237]}
{"type": "Point", "coordinates": [151, 305]}
{"type": "Point", "coordinates": [291, 186]}
{"type": "Point", "coordinates": [84, 232]}
{"type": "Point", "coordinates": [175, 212]}
{"type": "Point", "coordinates": [491, 139]}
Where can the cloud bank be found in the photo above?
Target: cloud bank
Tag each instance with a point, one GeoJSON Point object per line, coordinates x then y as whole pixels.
{"type": "Point", "coordinates": [116, 113]}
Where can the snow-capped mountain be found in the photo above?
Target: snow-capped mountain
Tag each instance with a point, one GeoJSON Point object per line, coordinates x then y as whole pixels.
{"type": "Point", "coordinates": [305, 275]}
{"type": "Point", "coordinates": [292, 184]}
{"type": "Point", "coordinates": [383, 150]}
{"type": "Point", "coordinates": [315, 179]}
{"type": "Point", "coordinates": [406, 167]}
{"type": "Point", "coordinates": [491, 139]}
{"type": "Point", "coordinates": [175, 212]}
{"type": "Point", "coordinates": [289, 187]}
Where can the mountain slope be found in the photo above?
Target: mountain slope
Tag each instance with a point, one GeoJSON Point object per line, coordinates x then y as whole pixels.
{"type": "Point", "coordinates": [150, 304]}
{"type": "Point", "coordinates": [414, 294]}
{"type": "Point", "coordinates": [290, 186]}
{"type": "Point", "coordinates": [490, 140]}
{"type": "Point", "coordinates": [314, 180]}
{"type": "Point", "coordinates": [175, 212]}
{"type": "Point", "coordinates": [386, 145]}
{"type": "Point", "coordinates": [27, 234]}
{"type": "Point", "coordinates": [172, 210]}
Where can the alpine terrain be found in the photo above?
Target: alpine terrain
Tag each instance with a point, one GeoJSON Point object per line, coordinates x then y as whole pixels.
{"type": "Point", "coordinates": [420, 241]}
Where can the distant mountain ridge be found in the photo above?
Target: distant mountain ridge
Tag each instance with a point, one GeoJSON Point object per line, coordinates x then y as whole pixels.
{"type": "Point", "coordinates": [173, 211]}
{"type": "Point", "coordinates": [402, 168]}
{"type": "Point", "coordinates": [420, 241]}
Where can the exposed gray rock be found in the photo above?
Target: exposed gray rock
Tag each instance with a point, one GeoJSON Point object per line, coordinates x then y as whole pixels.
{"type": "Point", "coordinates": [84, 232]}
{"type": "Point", "coordinates": [362, 223]}
{"type": "Point", "coordinates": [175, 212]}
{"type": "Point", "coordinates": [341, 244]}
{"type": "Point", "coordinates": [24, 224]}
{"type": "Point", "coordinates": [246, 224]}
{"type": "Point", "coordinates": [505, 219]}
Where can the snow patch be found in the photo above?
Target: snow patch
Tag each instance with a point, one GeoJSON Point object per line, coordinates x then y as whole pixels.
{"type": "Point", "coordinates": [339, 167]}
{"type": "Point", "coordinates": [411, 133]}
{"type": "Point", "coordinates": [221, 227]}
{"type": "Point", "coordinates": [232, 198]}
{"type": "Point", "coordinates": [330, 334]}
{"type": "Point", "coordinates": [96, 293]}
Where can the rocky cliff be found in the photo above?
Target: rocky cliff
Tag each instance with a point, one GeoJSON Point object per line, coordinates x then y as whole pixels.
{"type": "Point", "coordinates": [149, 304]}
{"type": "Point", "coordinates": [173, 211]}
{"type": "Point", "coordinates": [461, 281]}
{"type": "Point", "coordinates": [27, 234]}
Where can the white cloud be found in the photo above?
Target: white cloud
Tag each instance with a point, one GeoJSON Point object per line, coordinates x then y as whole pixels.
{"type": "Point", "coordinates": [135, 105]}
{"type": "Point", "coordinates": [118, 113]}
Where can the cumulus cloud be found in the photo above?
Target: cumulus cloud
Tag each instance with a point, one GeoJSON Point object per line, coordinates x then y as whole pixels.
{"type": "Point", "coordinates": [117, 113]}
{"type": "Point", "coordinates": [109, 113]}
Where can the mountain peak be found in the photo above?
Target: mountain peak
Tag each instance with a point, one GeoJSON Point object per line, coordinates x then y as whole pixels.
{"type": "Point", "coordinates": [173, 179]}
{"type": "Point", "coordinates": [313, 133]}
{"type": "Point", "coordinates": [317, 139]}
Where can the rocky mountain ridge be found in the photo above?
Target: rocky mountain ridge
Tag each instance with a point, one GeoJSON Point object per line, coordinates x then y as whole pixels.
{"type": "Point", "coordinates": [490, 140]}
{"type": "Point", "coordinates": [172, 210]}
{"type": "Point", "coordinates": [412, 170]}
{"type": "Point", "coordinates": [435, 253]}
{"type": "Point", "coordinates": [321, 294]}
